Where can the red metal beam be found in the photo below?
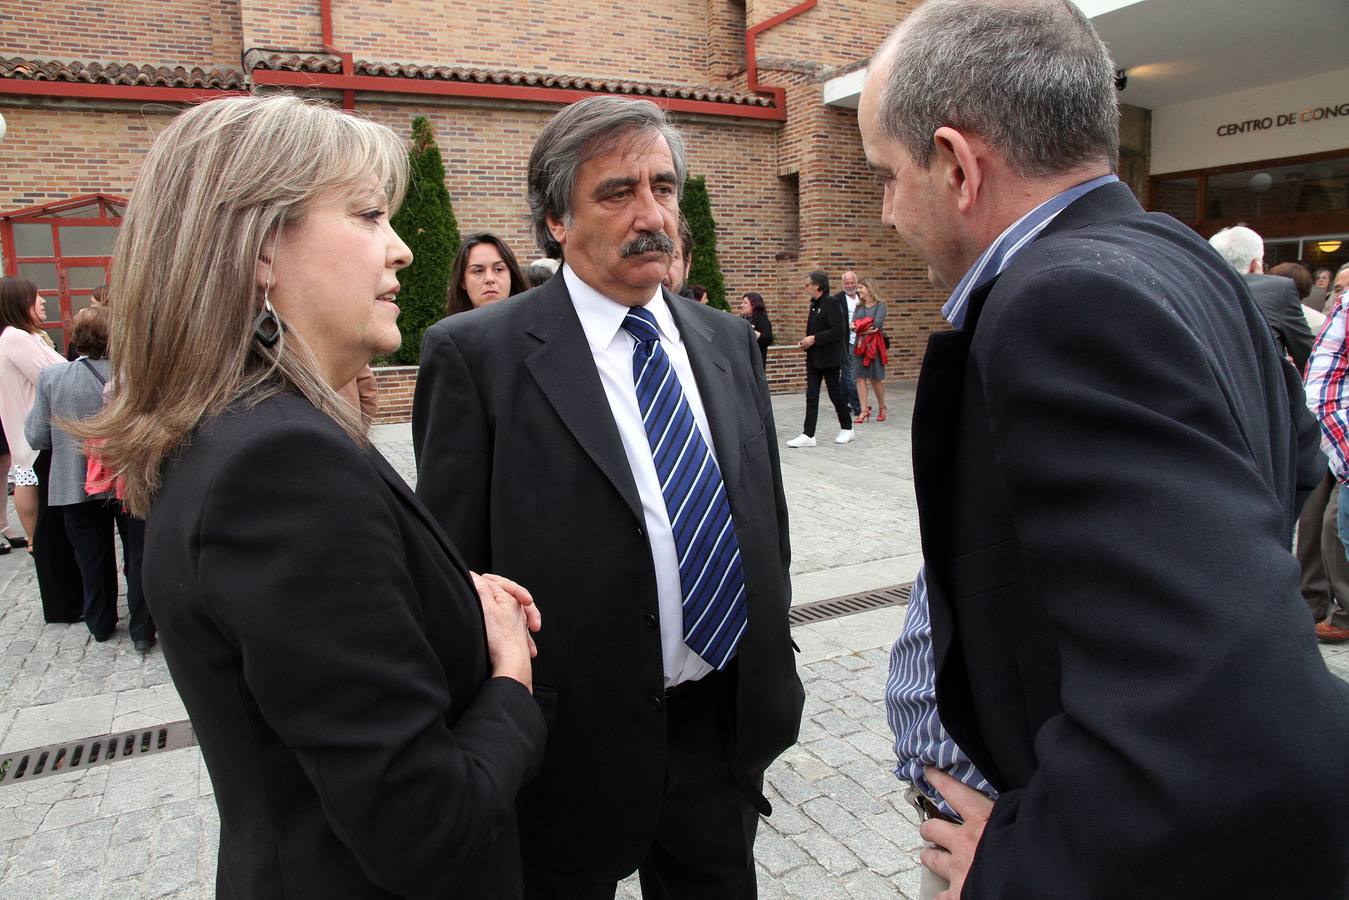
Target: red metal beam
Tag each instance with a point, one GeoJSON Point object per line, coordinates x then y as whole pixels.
{"type": "Point", "coordinates": [516, 92]}
{"type": "Point", "coordinates": [752, 33]}
{"type": "Point", "coordinates": [348, 68]}
{"type": "Point", "coordinates": [137, 92]}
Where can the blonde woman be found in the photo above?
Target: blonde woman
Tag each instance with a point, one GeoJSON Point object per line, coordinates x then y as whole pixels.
{"type": "Point", "coordinates": [365, 713]}
{"type": "Point", "coordinates": [871, 354]}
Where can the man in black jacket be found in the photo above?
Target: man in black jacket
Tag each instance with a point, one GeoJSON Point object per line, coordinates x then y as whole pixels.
{"type": "Point", "coordinates": [825, 342]}
{"type": "Point", "coordinates": [1107, 461]}
{"type": "Point", "coordinates": [1277, 297]}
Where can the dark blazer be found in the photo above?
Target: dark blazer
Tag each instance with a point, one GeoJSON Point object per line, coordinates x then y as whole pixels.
{"type": "Point", "coordinates": [519, 458]}
{"type": "Point", "coordinates": [1278, 301]}
{"type": "Point", "coordinates": [761, 324]}
{"type": "Point", "coordinates": [1106, 489]}
{"type": "Point", "coordinates": [828, 321]}
{"type": "Point", "coordinates": [330, 650]}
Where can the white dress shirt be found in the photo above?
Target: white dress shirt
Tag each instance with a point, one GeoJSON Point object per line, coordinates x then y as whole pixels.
{"type": "Point", "coordinates": [851, 300]}
{"type": "Point", "coordinates": [612, 346]}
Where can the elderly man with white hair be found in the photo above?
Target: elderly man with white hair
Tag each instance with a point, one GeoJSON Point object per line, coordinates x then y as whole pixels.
{"type": "Point", "coordinates": [1277, 298]}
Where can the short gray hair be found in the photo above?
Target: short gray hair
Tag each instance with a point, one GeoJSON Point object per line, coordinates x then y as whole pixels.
{"type": "Point", "coordinates": [580, 133]}
{"type": "Point", "coordinates": [1239, 246]}
{"type": "Point", "coordinates": [1030, 77]}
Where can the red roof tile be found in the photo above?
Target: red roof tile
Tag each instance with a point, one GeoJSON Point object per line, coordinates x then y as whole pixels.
{"type": "Point", "coordinates": [122, 73]}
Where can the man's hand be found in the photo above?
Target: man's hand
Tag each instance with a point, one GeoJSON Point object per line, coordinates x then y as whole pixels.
{"type": "Point", "coordinates": [955, 844]}
{"type": "Point", "coordinates": [807, 342]}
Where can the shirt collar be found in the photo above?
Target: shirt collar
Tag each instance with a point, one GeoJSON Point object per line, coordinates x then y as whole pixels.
{"type": "Point", "coordinates": [602, 318]}
{"type": "Point", "coordinates": [1012, 241]}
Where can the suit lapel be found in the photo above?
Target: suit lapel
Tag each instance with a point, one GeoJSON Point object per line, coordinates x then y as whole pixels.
{"type": "Point", "coordinates": [400, 488]}
{"type": "Point", "coordinates": [713, 373]}
{"type": "Point", "coordinates": [565, 371]}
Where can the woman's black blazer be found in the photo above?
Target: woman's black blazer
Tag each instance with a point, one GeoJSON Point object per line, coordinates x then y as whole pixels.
{"type": "Point", "coordinates": [329, 647]}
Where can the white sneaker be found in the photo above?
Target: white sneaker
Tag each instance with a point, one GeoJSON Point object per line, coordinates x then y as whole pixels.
{"type": "Point", "coordinates": [803, 440]}
{"type": "Point", "coordinates": [845, 437]}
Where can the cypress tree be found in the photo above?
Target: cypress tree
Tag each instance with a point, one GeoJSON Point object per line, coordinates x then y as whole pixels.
{"type": "Point", "coordinates": [427, 225]}
{"type": "Point", "coordinates": [697, 209]}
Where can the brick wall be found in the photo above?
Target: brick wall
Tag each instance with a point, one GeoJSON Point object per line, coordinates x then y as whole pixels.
{"type": "Point", "coordinates": [79, 148]}
{"type": "Point", "coordinates": [396, 384]}
{"type": "Point", "coordinates": [203, 33]}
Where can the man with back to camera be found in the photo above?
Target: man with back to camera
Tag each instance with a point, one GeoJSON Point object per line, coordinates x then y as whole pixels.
{"type": "Point", "coordinates": [1277, 297]}
{"type": "Point", "coordinates": [611, 448]}
{"type": "Point", "coordinates": [825, 343]}
{"type": "Point", "coordinates": [1107, 468]}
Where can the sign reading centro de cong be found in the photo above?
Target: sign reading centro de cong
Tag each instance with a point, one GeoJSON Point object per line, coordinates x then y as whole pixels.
{"type": "Point", "coordinates": [1283, 120]}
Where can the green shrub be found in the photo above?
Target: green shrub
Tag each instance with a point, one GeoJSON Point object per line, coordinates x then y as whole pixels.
{"type": "Point", "coordinates": [697, 209]}
{"type": "Point", "coordinates": [427, 225]}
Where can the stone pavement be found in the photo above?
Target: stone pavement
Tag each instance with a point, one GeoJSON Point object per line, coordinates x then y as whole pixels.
{"type": "Point", "coordinates": [840, 829]}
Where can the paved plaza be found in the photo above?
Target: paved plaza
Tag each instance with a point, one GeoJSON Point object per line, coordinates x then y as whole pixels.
{"type": "Point", "coordinates": [147, 827]}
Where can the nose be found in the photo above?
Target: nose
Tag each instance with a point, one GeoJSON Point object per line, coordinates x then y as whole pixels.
{"type": "Point", "coordinates": [399, 255]}
{"type": "Point", "coordinates": [650, 214]}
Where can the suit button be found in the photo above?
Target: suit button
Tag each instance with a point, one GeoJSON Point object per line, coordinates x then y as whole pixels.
{"type": "Point", "coordinates": [655, 702]}
{"type": "Point", "coordinates": [641, 533]}
{"type": "Point", "coordinates": [650, 620]}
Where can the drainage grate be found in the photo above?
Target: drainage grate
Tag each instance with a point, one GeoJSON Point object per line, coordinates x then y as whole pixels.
{"type": "Point", "coordinates": [27, 765]}
{"type": "Point", "coordinates": [837, 607]}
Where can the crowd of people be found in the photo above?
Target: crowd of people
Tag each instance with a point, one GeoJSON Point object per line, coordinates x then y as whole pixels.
{"type": "Point", "coordinates": [566, 656]}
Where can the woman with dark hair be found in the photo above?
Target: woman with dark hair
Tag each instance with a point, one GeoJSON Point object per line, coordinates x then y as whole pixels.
{"type": "Point", "coordinates": [698, 294]}
{"type": "Point", "coordinates": [753, 311]}
{"type": "Point", "coordinates": [71, 392]}
{"type": "Point", "coordinates": [1303, 283]}
{"type": "Point", "coordinates": [23, 353]}
{"type": "Point", "coordinates": [484, 271]}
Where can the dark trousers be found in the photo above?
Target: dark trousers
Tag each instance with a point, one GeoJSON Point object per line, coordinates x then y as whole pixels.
{"type": "Point", "coordinates": [58, 572]}
{"type": "Point", "coordinates": [704, 844]}
{"type": "Point", "coordinates": [831, 379]}
{"type": "Point", "coordinates": [850, 381]}
{"type": "Point", "coordinates": [90, 526]}
{"type": "Point", "coordinates": [1325, 571]}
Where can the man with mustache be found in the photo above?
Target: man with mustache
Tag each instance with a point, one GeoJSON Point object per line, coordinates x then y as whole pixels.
{"type": "Point", "coordinates": [608, 445]}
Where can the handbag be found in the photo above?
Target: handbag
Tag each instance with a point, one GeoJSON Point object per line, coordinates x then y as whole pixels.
{"type": "Point", "coordinates": [99, 477]}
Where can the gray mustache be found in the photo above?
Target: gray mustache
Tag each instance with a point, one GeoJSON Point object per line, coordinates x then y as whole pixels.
{"type": "Point", "coordinates": [647, 242]}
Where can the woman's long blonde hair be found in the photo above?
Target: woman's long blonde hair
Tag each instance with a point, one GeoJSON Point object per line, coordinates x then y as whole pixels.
{"type": "Point", "coordinates": [215, 191]}
{"type": "Point", "coordinates": [871, 291]}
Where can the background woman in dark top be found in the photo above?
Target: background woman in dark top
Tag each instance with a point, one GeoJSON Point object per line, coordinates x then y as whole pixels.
{"type": "Point", "coordinates": [752, 310]}
{"type": "Point", "coordinates": [485, 271]}
{"type": "Point", "coordinates": [363, 704]}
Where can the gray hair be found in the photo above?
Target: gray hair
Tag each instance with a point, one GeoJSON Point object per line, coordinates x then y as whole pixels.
{"type": "Point", "coordinates": [1239, 246]}
{"type": "Point", "coordinates": [1031, 78]}
{"type": "Point", "coordinates": [580, 133]}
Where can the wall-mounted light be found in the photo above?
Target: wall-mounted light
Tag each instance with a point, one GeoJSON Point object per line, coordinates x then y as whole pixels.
{"type": "Point", "coordinates": [2, 127]}
{"type": "Point", "coordinates": [1121, 79]}
{"type": "Point", "coordinates": [1328, 246]}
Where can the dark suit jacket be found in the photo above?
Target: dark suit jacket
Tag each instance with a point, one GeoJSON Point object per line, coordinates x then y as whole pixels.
{"type": "Point", "coordinates": [828, 321]}
{"type": "Point", "coordinates": [1278, 301]}
{"type": "Point", "coordinates": [330, 650]}
{"type": "Point", "coordinates": [519, 457]}
{"type": "Point", "coordinates": [1106, 468]}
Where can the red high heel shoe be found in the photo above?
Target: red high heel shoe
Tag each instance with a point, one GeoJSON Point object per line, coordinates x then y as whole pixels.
{"type": "Point", "coordinates": [881, 417]}
{"type": "Point", "coordinates": [866, 414]}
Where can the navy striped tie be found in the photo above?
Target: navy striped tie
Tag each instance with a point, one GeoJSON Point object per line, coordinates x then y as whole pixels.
{"type": "Point", "coordinates": [710, 576]}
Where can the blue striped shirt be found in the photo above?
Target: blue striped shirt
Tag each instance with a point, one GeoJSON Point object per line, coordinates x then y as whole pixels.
{"type": "Point", "coordinates": [910, 691]}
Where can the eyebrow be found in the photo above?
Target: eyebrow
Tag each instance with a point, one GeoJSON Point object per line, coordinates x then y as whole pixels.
{"type": "Point", "coordinates": [610, 185]}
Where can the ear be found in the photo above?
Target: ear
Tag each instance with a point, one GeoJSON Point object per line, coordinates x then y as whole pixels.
{"type": "Point", "coordinates": [262, 272]}
{"type": "Point", "coordinates": [961, 169]}
{"type": "Point", "coordinates": [557, 230]}
{"type": "Point", "coordinates": [1256, 267]}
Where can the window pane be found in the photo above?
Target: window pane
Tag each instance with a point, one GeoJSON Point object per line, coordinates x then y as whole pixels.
{"type": "Point", "coordinates": [1178, 197]}
{"type": "Point", "coordinates": [1310, 187]}
{"type": "Point", "coordinates": [77, 303]}
{"type": "Point", "coordinates": [84, 277]}
{"type": "Point", "coordinates": [33, 240]}
{"type": "Point", "coordinates": [88, 240]}
{"type": "Point", "coordinates": [41, 274]}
